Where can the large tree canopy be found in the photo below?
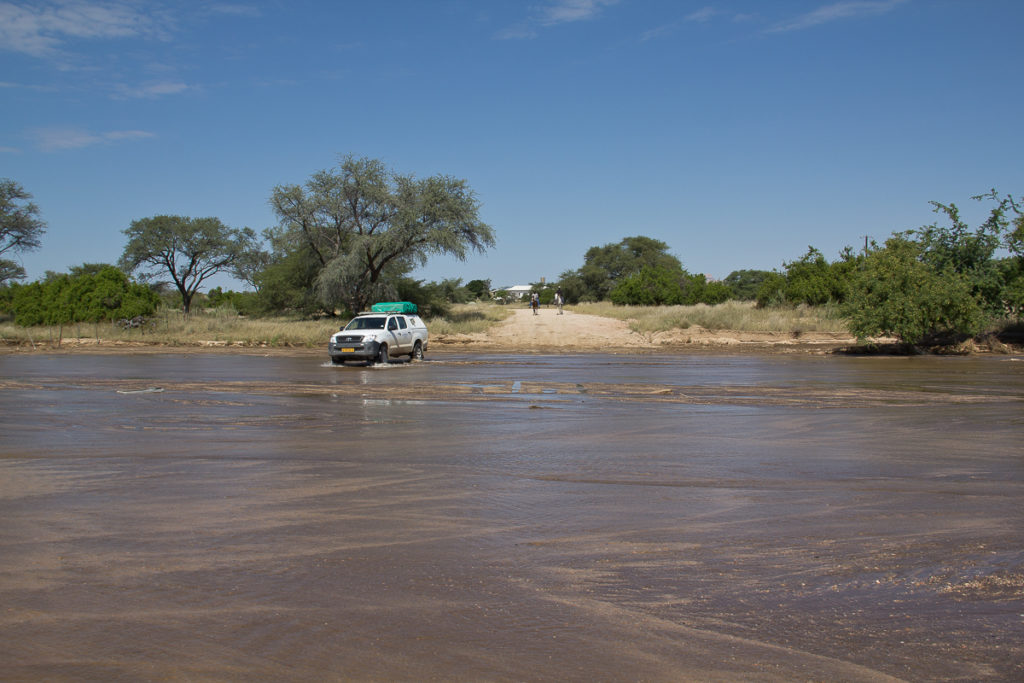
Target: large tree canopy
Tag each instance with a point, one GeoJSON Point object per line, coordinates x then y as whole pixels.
{"type": "Point", "coordinates": [368, 226]}
{"type": "Point", "coordinates": [190, 250]}
{"type": "Point", "coordinates": [20, 227]}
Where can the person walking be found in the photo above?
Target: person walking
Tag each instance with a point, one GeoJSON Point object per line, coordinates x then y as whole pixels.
{"type": "Point", "coordinates": [534, 302]}
{"type": "Point", "coordinates": [559, 300]}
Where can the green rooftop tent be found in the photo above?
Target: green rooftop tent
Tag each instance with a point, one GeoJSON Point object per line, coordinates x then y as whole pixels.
{"type": "Point", "coordinates": [394, 307]}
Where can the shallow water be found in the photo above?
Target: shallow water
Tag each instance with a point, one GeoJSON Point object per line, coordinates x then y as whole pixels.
{"type": "Point", "coordinates": [511, 518]}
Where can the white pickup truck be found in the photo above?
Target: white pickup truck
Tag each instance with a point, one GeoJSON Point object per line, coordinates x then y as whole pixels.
{"type": "Point", "coordinates": [378, 337]}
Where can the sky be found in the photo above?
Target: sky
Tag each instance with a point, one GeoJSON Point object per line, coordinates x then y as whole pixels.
{"type": "Point", "coordinates": [738, 132]}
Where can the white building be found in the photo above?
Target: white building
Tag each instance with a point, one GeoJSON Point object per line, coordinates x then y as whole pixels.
{"type": "Point", "coordinates": [518, 291]}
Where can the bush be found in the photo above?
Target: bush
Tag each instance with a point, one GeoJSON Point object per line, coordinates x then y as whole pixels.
{"type": "Point", "coordinates": [651, 286]}
{"type": "Point", "coordinates": [896, 293]}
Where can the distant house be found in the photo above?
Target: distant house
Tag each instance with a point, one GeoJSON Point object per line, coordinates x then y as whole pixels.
{"type": "Point", "coordinates": [518, 291]}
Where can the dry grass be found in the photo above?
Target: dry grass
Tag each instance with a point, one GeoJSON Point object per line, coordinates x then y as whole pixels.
{"type": "Point", "coordinates": [217, 327]}
{"type": "Point", "coordinates": [742, 316]}
{"type": "Point", "coordinates": [223, 327]}
{"type": "Point", "coordinates": [469, 318]}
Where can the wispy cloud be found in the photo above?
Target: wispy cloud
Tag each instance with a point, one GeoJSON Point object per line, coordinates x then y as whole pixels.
{"type": "Point", "coordinates": [41, 29]}
{"type": "Point", "coordinates": [152, 90]}
{"type": "Point", "coordinates": [836, 12]}
{"type": "Point", "coordinates": [55, 139]}
{"type": "Point", "coordinates": [236, 9]}
{"type": "Point", "coordinates": [565, 11]}
{"type": "Point", "coordinates": [554, 13]}
{"type": "Point", "coordinates": [703, 14]}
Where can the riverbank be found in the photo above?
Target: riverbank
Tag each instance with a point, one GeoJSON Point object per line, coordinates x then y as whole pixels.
{"type": "Point", "coordinates": [522, 331]}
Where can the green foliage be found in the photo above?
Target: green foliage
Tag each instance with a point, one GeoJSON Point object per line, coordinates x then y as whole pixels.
{"type": "Point", "coordinates": [21, 229]}
{"type": "Point", "coordinates": [715, 293]}
{"type": "Point", "coordinates": [1011, 272]}
{"type": "Point", "coordinates": [650, 286]}
{"type": "Point", "coordinates": [189, 250]}
{"type": "Point", "coordinates": [434, 299]}
{"type": "Point", "coordinates": [956, 248]}
{"type": "Point", "coordinates": [104, 295]}
{"type": "Point", "coordinates": [746, 283]}
{"type": "Point", "coordinates": [811, 280]}
{"type": "Point", "coordinates": [574, 289]}
{"type": "Point", "coordinates": [286, 284]}
{"type": "Point", "coordinates": [243, 303]}
{"type": "Point", "coordinates": [368, 226]}
{"type": "Point", "coordinates": [604, 267]}
{"type": "Point", "coordinates": [897, 292]}
{"type": "Point", "coordinates": [772, 291]}
{"type": "Point", "coordinates": [480, 289]}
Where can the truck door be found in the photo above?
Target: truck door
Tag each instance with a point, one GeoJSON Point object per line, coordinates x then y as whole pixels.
{"type": "Point", "coordinates": [399, 337]}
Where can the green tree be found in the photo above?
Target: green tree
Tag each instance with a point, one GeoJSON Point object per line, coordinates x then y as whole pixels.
{"type": "Point", "coordinates": [811, 280]}
{"type": "Point", "coordinates": [898, 293]}
{"type": "Point", "coordinates": [745, 283]}
{"type": "Point", "coordinates": [109, 295]}
{"type": "Point", "coordinates": [27, 304]}
{"type": "Point", "coordinates": [481, 289]}
{"type": "Point", "coordinates": [715, 292]}
{"type": "Point", "coordinates": [21, 229]}
{"type": "Point", "coordinates": [368, 226]}
{"type": "Point", "coordinates": [90, 296]}
{"type": "Point", "coordinates": [970, 253]}
{"type": "Point", "coordinates": [772, 291]}
{"type": "Point", "coordinates": [605, 266]}
{"type": "Point", "coordinates": [189, 250]}
{"type": "Point", "coordinates": [649, 286]}
{"type": "Point", "coordinates": [574, 289]}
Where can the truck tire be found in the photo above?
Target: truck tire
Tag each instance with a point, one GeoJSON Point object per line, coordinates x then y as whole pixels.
{"type": "Point", "coordinates": [382, 354]}
{"type": "Point", "coordinates": [417, 351]}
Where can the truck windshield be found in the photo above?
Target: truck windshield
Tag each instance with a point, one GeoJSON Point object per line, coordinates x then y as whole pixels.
{"type": "Point", "coordinates": [368, 323]}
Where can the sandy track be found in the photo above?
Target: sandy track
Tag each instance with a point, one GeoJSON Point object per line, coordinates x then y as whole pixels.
{"type": "Point", "coordinates": [571, 331]}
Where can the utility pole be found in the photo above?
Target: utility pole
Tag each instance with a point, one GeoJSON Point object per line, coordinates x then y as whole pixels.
{"type": "Point", "coordinates": [866, 244]}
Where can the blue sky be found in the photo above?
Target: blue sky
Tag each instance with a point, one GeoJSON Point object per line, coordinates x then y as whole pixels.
{"type": "Point", "coordinates": [738, 132]}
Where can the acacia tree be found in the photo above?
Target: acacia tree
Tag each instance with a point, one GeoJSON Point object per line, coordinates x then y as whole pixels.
{"type": "Point", "coordinates": [368, 226]}
{"type": "Point", "coordinates": [190, 250]}
{"type": "Point", "coordinates": [20, 227]}
{"type": "Point", "coordinates": [604, 267]}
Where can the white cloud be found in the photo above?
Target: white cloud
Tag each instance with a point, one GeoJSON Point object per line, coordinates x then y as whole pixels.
{"type": "Point", "coordinates": [566, 11]}
{"type": "Point", "coordinates": [41, 28]}
{"type": "Point", "coordinates": [554, 13]}
{"type": "Point", "coordinates": [55, 139]}
{"type": "Point", "coordinates": [236, 9]}
{"type": "Point", "coordinates": [703, 14]}
{"type": "Point", "coordinates": [152, 90]}
{"type": "Point", "coordinates": [836, 12]}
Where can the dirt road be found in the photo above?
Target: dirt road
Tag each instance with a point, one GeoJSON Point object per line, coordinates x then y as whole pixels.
{"type": "Point", "coordinates": [571, 331]}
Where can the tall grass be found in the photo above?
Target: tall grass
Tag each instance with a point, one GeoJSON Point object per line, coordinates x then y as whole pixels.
{"type": "Point", "coordinates": [218, 327]}
{"type": "Point", "coordinates": [469, 318]}
{"type": "Point", "coordinates": [743, 316]}
{"type": "Point", "coordinates": [224, 327]}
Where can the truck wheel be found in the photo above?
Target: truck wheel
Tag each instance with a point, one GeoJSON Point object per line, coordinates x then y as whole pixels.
{"type": "Point", "coordinates": [382, 354]}
{"type": "Point", "coordinates": [417, 352]}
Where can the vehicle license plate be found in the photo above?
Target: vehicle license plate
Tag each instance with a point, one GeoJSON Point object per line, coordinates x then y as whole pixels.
{"type": "Point", "coordinates": [348, 350]}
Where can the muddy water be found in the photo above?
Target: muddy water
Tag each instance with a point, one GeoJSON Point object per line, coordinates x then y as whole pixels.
{"type": "Point", "coordinates": [215, 517]}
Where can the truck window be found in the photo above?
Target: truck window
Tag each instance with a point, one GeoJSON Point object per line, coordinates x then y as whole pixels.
{"type": "Point", "coordinates": [401, 323]}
